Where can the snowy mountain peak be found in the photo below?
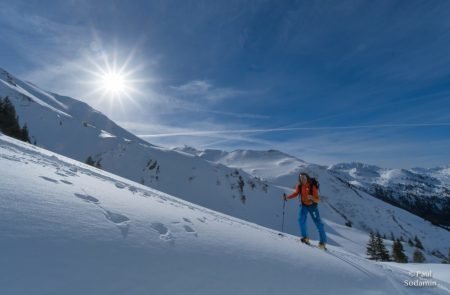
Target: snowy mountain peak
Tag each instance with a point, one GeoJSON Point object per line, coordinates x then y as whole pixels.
{"type": "Point", "coordinates": [265, 164]}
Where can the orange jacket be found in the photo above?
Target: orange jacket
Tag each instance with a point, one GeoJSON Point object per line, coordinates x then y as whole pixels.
{"type": "Point", "coordinates": [303, 191]}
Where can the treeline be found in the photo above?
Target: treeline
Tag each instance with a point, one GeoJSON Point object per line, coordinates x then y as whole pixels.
{"type": "Point", "coordinates": [376, 250]}
{"type": "Point", "coordinates": [9, 121]}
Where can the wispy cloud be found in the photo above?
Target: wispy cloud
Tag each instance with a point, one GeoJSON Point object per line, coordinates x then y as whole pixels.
{"type": "Point", "coordinates": [203, 89]}
{"type": "Point", "coordinates": [266, 130]}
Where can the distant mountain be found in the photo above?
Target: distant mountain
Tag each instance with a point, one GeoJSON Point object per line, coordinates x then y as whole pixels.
{"type": "Point", "coordinates": [424, 192]}
{"type": "Point", "coordinates": [268, 165]}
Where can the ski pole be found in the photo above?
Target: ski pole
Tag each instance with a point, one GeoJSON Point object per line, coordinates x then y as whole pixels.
{"type": "Point", "coordinates": [284, 206]}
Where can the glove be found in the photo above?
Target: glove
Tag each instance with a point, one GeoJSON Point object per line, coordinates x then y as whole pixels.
{"type": "Point", "coordinates": [284, 197]}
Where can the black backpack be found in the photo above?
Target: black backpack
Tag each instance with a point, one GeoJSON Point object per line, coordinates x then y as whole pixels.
{"type": "Point", "coordinates": [314, 182]}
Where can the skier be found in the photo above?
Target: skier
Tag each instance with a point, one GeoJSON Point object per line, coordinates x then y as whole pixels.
{"type": "Point", "coordinates": [308, 191]}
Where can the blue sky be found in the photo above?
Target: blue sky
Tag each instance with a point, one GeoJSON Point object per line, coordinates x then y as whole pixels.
{"type": "Point", "coordinates": [326, 81]}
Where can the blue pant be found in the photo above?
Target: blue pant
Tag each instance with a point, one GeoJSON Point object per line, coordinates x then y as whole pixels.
{"type": "Point", "coordinates": [314, 211]}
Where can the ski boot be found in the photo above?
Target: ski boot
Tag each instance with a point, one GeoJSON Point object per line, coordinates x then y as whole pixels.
{"type": "Point", "coordinates": [305, 240]}
{"type": "Point", "coordinates": [322, 246]}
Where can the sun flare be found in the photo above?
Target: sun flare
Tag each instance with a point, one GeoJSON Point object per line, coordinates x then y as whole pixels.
{"type": "Point", "coordinates": [113, 82]}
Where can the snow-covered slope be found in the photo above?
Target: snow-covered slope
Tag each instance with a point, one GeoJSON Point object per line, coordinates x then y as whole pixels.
{"type": "Point", "coordinates": [69, 228]}
{"type": "Point", "coordinates": [425, 192]}
{"type": "Point", "coordinates": [343, 201]}
{"type": "Point", "coordinates": [72, 128]}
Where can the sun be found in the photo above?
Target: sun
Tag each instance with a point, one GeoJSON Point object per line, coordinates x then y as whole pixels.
{"type": "Point", "coordinates": [113, 83]}
{"type": "Point", "coordinates": [112, 80]}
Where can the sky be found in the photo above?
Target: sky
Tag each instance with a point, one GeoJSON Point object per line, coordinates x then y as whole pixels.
{"type": "Point", "coordinates": [326, 81]}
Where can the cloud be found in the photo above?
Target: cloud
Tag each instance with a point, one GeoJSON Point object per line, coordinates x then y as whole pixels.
{"type": "Point", "coordinates": [267, 130]}
{"type": "Point", "coordinates": [207, 91]}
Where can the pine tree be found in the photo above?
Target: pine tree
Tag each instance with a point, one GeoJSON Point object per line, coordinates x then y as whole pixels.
{"type": "Point", "coordinates": [410, 242]}
{"type": "Point", "coordinates": [418, 256]}
{"type": "Point", "coordinates": [392, 236]}
{"type": "Point", "coordinates": [418, 243]}
{"type": "Point", "coordinates": [380, 249]}
{"type": "Point", "coordinates": [90, 161]}
{"type": "Point", "coordinates": [8, 119]}
{"type": "Point", "coordinates": [371, 253]}
{"type": "Point", "coordinates": [24, 133]}
{"type": "Point", "coordinates": [398, 253]}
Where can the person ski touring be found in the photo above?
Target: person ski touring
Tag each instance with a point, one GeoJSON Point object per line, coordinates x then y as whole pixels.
{"type": "Point", "coordinates": [308, 192]}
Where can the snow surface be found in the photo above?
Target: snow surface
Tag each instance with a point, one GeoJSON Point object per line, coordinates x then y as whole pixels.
{"type": "Point", "coordinates": [69, 228]}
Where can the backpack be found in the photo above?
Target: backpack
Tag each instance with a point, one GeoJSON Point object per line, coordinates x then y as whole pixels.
{"type": "Point", "coordinates": [314, 182]}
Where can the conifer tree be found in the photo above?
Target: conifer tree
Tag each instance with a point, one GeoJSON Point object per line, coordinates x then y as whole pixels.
{"type": "Point", "coordinates": [370, 249]}
{"type": "Point", "coordinates": [418, 256]}
{"type": "Point", "coordinates": [90, 161]}
{"type": "Point", "coordinates": [24, 136]}
{"type": "Point", "coordinates": [9, 121]}
{"type": "Point", "coordinates": [380, 249]}
{"type": "Point", "coordinates": [398, 253]}
{"type": "Point", "coordinates": [418, 243]}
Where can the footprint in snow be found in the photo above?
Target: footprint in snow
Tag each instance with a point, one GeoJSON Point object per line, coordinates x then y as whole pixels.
{"type": "Point", "coordinates": [203, 219]}
{"type": "Point", "coordinates": [164, 232]}
{"type": "Point", "coordinates": [115, 217]}
{"type": "Point", "coordinates": [189, 229]}
{"type": "Point", "coordinates": [187, 219]}
{"type": "Point", "coordinates": [49, 179]}
{"type": "Point", "coordinates": [11, 158]}
{"type": "Point", "coordinates": [69, 173]}
{"type": "Point", "coordinates": [120, 220]}
{"type": "Point", "coordinates": [87, 198]}
{"type": "Point", "coordinates": [120, 185]}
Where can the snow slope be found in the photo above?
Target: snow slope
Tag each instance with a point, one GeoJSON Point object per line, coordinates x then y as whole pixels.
{"type": "Point", "coordinates": [69, 228]}
{"type": "Point", "coordinates": [70, 127]}
{"type": "Point", "coordinates": [342, 202]}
